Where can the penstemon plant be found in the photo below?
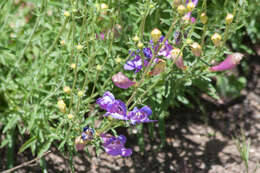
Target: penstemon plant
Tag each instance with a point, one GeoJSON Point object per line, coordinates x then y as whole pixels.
{"type": "Point", "coordinates": [65, 62]}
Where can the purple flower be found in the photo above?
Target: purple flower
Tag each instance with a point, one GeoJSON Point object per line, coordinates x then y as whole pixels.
{"type": "Point", "coordinates": [165, 50]}
{"type": "Point", "coordinates": [121, 81]}
{"type": "Point", "coordinates": [87, 133]}
{"type": "Point", "coordinates": [106, 101]}
{"type": "Point", "coordinates": [230, 62]}
{"type": "Point", "coordinates": [86, 136]}
{"type": "Point", "coordinates": [147, 52]}
{"type": "Point", "coordinates": [115, 108]}
{"type": "Point", "coordinates": [140, 115]}
{"type": "Point", "coordinates": [135, 64]}
{"type": "Point", "coordinates": [114, 146]}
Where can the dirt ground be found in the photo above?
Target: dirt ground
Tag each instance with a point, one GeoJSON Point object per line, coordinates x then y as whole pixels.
{"type": "Point", "coordinates": [193, 145]}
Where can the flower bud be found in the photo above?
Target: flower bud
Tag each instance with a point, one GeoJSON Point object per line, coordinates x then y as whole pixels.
{"type": "Point", "coordinates": [136, 38]}
{"type": "Point", "coordinates": [203, 18]}
{"type": "Point", "coordinates": [158, 68]}
{"type": "Point", "coordinates": [61, 106]}
{"type": "Point", "coordinates": [176, 52]}
{"type": "Point", "coordinates": [67, 89]}
{"type": "Point", "coordinates": [121, 81]}
{"type": "Point", "coordinates": [99, 67]}
{"type": "Point", "coordinates": [118, 60]}
{"type": "Point", "coordinates": [151, 6]}
{"type": "Point", "coordinates": [230, 62]}
{"type": "Point", "coordinates": [156, 34]}
{"type": "Point", "coordinates": [189, 41]}
{"type": "Point", "coordinates": [73, 66]}
{"type": "Point", "coordinates": [216, 39]}
{"type": "Point", "coordinates": [80, 93]}
{"type": "Point", "coordinates": [70, 116]}
{"type": "Point", "coordinates": [140, 45]}
{"type": "Point", "coordinates": [66, 14]}
{"type": "Point", "coordinates": [196, 49]}
{"type": "Point", "coordinates": [181, 9]}
{"type": "Point", "coordinates": [62, 42]}
{"type": "Point", "coordinates": [79, 47]}
{"type": "Point", "coordinates": [103, 6]}
{"type": "Point", "coordinates": [229, 19]}
{"type": "Point", "coordinates": [80, 143]}
{"type": "Point", "coordinates": [190, 6]}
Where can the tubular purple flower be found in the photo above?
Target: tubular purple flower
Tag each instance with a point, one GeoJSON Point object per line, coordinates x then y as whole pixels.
{"type": "Point", "coordinates": [140, 115]}
{"type": "Point", "coordinates": [135, 64]}
{"type": "Point", "coordinates": [115, 108]}
{"type": "Point", "coordinates": [106, 100]}
{"type": "Point", "coordinates": [114, 146]}
{"type": "Point", "coordinates": [86, 136]}
{"type": "Point", "coordinates": [230, 62]}
{"type": "Point", "coordinates": [121, 81]}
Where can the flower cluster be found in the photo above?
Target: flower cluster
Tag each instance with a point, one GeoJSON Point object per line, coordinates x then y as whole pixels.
{"type": "Point", "coordinates": [118, 110]}
{"type": "Point", "coordinates": [165, 51]}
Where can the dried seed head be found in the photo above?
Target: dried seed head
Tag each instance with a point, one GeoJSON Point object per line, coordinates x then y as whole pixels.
{"type": "Point", "coordinates": [181, 9]}
{"type": "Point", "coordinates": [118, 60]}
{"type": "Point", "coordinates": [103, 6]}
{"type": "Point", "coordinates": [62, 42]}
{"type": "Point", "coordinates": [61, 106]}
{"type": "Point", "coordinates": [99, 67]}
{"type": "Point", "coordinates": [67, 89]}
{"type": "Point", "coordinates": [203, 18]}
{"type": "Point", "coordinates": [140, 45]}
{"type": "Point", "coordinates": [229, 19]}
{"type": "Point", "coordinates": [80, 93]}
{"type": "Point", "coordinates": [176, 52]}
{"type": "Point", "coordinates": [79, 47]}
{"type": "Point", "coordinates": [136, 38]}
{"type": "Point", "coordinates": [156, 34]}
{"type": "Point", "coordinates": [73, 66]}
{"type": "Point", "coordinates": [66, 14]}
{"type": "Point", "coordinates": [190, 6]}
{"type": "Point", "coordinates": [196, 49]}
{"type": "Point", "coordinates": [70, 116]}
{"type": "Point", "coordinates": [216, 39]}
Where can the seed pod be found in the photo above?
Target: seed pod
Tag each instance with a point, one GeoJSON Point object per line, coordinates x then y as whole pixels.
{"type": "Point", "coordinates": [181, 9]}
{"type": "Point", "coordinates": [156, 34]}
{"type": "Point", "coordinates": [216, 39]}
{"type": "Point", "coordinates": [229, 19]}
{"type": "Point", "coordinates": [196, 49]}
{"type": "Point", "coordinates": [203, 18]}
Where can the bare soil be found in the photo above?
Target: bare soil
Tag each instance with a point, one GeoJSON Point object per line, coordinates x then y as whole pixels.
{"type": "Point", "coordinates": [194, 144]}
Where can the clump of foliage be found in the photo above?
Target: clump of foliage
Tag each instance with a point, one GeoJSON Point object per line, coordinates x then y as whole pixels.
{"type": "Point", "coordinates": [65, 62]}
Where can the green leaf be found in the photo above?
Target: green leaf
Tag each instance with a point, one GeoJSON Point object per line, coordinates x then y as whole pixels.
{"type": "Point", "coordinates": [11, 123]}
{"type": "Point", "coordinates": [27, 144]}
{"type": "Point", "coordinates": [45, 147]}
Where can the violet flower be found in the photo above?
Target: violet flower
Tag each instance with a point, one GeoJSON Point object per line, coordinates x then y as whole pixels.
{"type": "Point", "coordinates": [230, 62]}
{"type": "Point", "coordinates": [86, 136]}
{"type": "Point", "coordinates": [135, 64]}
{"type": "Point", "coordinates": [140, 115]}
{"type": "Point", "coordinates": [115, 108]}
{"type": "Point", "coordinates": [114, 146]}
{"type": "Point", "coordinates": [121, 81]}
